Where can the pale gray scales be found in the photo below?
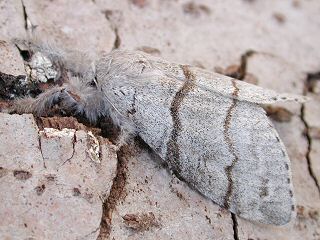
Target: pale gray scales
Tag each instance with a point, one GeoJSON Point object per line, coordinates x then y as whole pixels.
{"type": "Point", "coordinates": [225, 148]}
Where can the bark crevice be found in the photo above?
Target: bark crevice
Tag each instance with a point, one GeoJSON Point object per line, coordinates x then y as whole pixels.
{"type": "Point", "coordinates": [308, 87]}
{"type": "Point", "coordinates": [235, 226]}
{"type": "Point", "coordinates": [117, 193]}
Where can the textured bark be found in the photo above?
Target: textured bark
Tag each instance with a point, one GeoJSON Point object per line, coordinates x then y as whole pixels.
{"type": "Point", "coordinates": [41, 175]}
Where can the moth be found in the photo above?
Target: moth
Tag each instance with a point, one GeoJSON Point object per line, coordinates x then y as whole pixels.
{"type": "Point", "coordinates": [210, 129]}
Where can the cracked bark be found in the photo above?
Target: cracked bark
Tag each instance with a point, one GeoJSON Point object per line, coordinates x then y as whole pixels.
{"type": "Point", "coordinates": [242, 71]}
{"type": "Point", "coordinates": [92, 232]}
{"type": "Point", "coordinates": [25, 16]}
{"type": "Point", "coordinates": [235, 226]}
{"type": "Point", "coordinates": [311, 81]}
{"type": "Point", "coordinates": [40, 148]}
{"type": "Point", "coordinates": [117, 41]}
{"type": "Point", "coordinates": [74, 140]}
{"type": "Point", "coordinates": [28, 26]}
{"type": "Point", "coordinates": [17, 86]}
{"type": "Point", "coordinates": [238, 71]}
{"type": "Point", "coordinates": [114, 27]}
{"type": "Point", "coordinates": [308, 88]}
{"type": "Point", "coordinates": [117, 193]}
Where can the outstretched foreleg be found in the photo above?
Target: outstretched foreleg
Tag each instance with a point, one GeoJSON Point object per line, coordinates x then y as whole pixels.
{"type": "Point", "coordinates": [78, 100]}
{"type": "Point", "coordinates": [40, 105]}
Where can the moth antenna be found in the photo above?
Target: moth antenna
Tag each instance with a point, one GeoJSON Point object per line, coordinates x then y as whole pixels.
{"type": "Point", "coordinates": [115, 109]}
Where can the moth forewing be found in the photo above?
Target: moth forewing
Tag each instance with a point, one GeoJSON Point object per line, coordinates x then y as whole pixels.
{"type": "Point", "coordinates": [209, 130]}
{"type": "Point", "coordinates": [221, 84]}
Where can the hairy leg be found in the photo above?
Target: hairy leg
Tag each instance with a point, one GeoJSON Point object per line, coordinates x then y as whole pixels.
{"type": "Point", "coordinates": [78, 99]}
{"type": "Point", "coordinates": [38, 106]}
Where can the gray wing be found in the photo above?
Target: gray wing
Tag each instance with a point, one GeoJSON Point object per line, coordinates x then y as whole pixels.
{"type": "Point", "coordinates": [223, 85]}
{"type": "Point", "coordinates": [225, 148]}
